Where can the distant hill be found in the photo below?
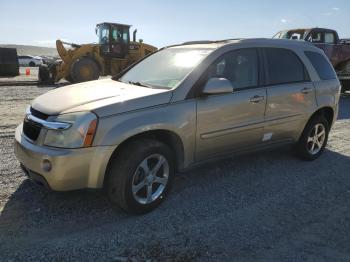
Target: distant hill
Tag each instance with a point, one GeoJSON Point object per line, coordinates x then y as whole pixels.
{"type": "Point", "coordinates": [33, 50]}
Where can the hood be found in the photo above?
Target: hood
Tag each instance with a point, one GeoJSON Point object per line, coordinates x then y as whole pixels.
{"type": "Point", "coordinates": [104, 97]}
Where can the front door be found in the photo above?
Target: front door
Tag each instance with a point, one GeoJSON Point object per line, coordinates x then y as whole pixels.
{"type": "Point", "coordinates": [229, 122]}
{"type": "Point", "coordinates": [317, 38]}
{"type": "Point", "coordinates": [119, 44]}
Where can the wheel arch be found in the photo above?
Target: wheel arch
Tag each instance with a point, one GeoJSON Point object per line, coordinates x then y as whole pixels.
{"type": "Point", "coordinates": [168, 137]}
{"type": "Point", "coordinates": [327, 112]}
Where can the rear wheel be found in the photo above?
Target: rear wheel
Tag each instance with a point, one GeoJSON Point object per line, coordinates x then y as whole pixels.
{"type": "Point", "coordinates": [346, 83]}
{"type": "Point", "coordinates": [345, 86]}
{"type": "Point", "coordinates": [313, 139]}
{"type": "Point", "coordinates": [84, 69]}
{"type": "Point", "coordinates": [138, 184]}
{"type": "Point", "coordinates": [31, 64]}
{"type": "Point", "coordinates": [347, 67]}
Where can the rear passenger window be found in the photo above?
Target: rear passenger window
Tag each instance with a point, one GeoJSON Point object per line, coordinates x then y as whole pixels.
{"type": "Point", "coordinates": [329, 38]}
{"type": "Point", "coordinates": [322, 66]}
{"type": "Point", "coordinates": [240, 67]}
{"type": "Point", "coordinates": [284, 67]}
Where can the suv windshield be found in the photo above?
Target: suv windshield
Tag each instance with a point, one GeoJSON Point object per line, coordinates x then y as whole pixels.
{"type": "Point", "coordinates": [166, 68]}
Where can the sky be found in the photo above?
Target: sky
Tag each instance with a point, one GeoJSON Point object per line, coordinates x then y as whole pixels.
{"type": "Point", "coordinates": [163, 22]}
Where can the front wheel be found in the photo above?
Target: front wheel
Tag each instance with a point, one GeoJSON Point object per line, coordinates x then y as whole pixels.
{"type": "Point", "coordinates": [313, 139]}
{"type": "Point", "coordinates": [84, 69]}
{"type": "Point", "coordinates": [140, 176]}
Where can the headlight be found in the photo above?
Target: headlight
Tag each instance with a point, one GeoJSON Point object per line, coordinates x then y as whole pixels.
{"type": "Point", "coordinates": [79, 134]}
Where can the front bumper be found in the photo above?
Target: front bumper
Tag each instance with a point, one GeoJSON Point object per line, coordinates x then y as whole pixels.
{"type": "Point", "coordinates": [71, 168]}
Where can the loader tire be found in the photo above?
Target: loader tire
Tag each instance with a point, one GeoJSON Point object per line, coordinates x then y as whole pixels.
{"type": "Point", "coordinates": [84, 69]}
{"type": "Point", "coordinates": [69, 78]}
{"type": "Point", "coordinates": [45, 76]}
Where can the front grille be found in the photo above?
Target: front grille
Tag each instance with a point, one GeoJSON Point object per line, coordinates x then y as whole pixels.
{"type": "Point", "coordinates": [31, 130]}
{"type": "Point", "coordinates": [38, 114]}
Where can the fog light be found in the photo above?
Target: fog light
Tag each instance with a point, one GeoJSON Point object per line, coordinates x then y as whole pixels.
{"type": "Point", "coordinates": [46, 165]}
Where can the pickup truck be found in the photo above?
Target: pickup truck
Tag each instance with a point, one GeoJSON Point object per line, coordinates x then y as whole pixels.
{"type": "Point", "coordinates": [337, 50]}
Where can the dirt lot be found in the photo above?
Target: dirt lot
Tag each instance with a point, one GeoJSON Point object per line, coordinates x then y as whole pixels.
{"type": "Point", "coordinates": [266, 206]}
{"type": "Point", "coordinates": [22, 77]}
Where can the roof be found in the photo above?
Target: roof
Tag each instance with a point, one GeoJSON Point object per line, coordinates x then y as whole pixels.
{"type": "Point", "coordinates": [307, 29]}
{"type": "Point", "coordinates": [113, 24]}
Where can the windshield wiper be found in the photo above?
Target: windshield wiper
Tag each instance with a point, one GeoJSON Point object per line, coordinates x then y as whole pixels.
{"type": "Point", "coordinates": [140, 84]}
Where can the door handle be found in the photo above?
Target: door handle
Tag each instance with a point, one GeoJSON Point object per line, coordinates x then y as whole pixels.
{"type": "Point", "coordinates": [256, 99]}
{"type": "Point", "coordinates": [306, 90]}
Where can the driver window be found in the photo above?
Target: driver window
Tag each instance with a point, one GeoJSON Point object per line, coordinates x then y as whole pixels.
{"type": "Point", "coordinates": [239, 67]}
{"type": "Point", "coordinates": [120, 35]}
{"type": "Point", "coordinates": [116, 35]}
{"type": "Point", "coordinates": [126, 36]}
{"type": "Point", "coordinates": [315, 37]}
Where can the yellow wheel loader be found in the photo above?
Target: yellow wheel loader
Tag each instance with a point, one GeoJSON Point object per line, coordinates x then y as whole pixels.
{"type": "Point", "coordinates": [113, 53]}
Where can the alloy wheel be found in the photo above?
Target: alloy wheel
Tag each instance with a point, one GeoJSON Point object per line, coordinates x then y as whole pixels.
{"type": "Point", "coordinates": [316, 139]}
{"type": "Point", "coordinates": [150, 179]}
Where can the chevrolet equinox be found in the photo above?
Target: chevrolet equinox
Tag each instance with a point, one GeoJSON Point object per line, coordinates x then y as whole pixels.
{"type": "Point", "coordinates": [179, 106]}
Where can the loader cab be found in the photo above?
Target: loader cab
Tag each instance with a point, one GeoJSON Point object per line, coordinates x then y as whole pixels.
{"type": "Point", "coordinates": [114, 39]}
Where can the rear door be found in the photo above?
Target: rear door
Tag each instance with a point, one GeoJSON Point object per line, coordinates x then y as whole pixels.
{"type": "Point", "coordinates": [290, 94]}
{"type": "Point", "coordinates": [229, 122]}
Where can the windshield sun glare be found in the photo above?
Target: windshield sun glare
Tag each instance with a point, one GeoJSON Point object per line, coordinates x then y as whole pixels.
{"type": "Point", "coordinates": [166, 68]}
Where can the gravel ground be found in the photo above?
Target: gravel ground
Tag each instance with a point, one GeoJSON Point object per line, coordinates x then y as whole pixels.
{"type": "Point", "coordinates": [266, 206]}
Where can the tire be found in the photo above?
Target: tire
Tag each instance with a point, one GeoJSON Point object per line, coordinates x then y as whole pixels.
{"type": "Point", "coordinates": [84, 69]}
{"type": "Point", "coordinates": [45, 76]}
{"type": "Point", "coordinates": [31, 64]}
{"type": "Point", "coordinates": [345, 86]}
{"type": "Point", "coordinates": [307, 148]}
{"type": "Point", "coordinates": [128, 183]}
{"type": "Point", "coordinates": [347, 67]}
{"type": "Point", "coordinates": [69, 78]}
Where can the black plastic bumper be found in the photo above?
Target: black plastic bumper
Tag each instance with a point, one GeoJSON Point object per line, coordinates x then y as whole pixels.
{"type": "Point", "coordinates": [35, 177]}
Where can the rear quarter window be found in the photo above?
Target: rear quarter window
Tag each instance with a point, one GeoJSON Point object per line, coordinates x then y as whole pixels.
{"type": "Point", "coordinates": [323, 68]}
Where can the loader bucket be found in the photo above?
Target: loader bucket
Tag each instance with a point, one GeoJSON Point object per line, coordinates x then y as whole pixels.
{"type": "Point", "coordinates": [8, 62]}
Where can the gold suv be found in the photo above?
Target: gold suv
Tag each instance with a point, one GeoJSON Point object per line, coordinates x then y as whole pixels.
{"type": "Point", "coordinates": [179, 106]}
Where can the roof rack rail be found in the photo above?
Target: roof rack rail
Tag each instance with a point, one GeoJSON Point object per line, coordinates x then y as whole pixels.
{"type": "Point", "coordinates": [202, 42]}
{"type": "Point", "coordinates": [198, 42]}
{"type": "Point", "coordinates": [210, 41]}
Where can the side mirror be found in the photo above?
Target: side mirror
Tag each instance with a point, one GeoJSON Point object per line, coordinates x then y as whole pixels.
{"type": "Point", "coordinates": [217, 85]}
